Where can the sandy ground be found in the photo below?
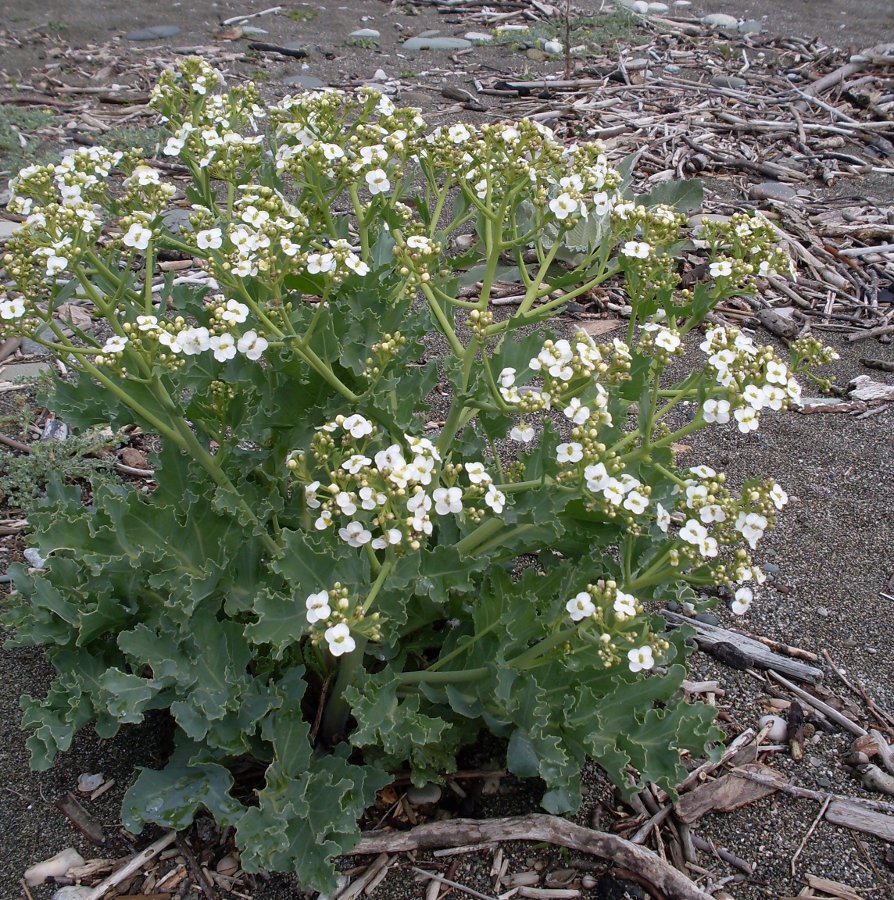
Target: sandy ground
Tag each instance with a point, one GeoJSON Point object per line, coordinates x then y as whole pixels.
{"type": "Point", "coordinates": [832, 550]}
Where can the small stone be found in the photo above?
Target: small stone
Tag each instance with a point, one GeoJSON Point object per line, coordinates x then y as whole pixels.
{"type": "Point", "coordinates": [54, 866]}
{"type": "Point", "coordinates": [136, 459]}
{"type": "Point", "coordinates": [228, 865]}
{"type": "Point", "coordinates": [73, 892]}
{"type": "Point", "coordinates": [89, 783]}
{"type": "Point", "coordinates": [429, 793]}
{"type": "Point", "coordinates": [8, 229]}
{"type": "Point", "coordinates": [54, 430]}
{"type": "Point", "coordinates": [772, 190]}
{"type": "Point", "coordinates": [177, 220]}
{"type": "Point", "coordinates": [478, 37]}
{"type": "Point", "coordinates": [721, 21]}
{"type": "Point", "coordinates": [501, 29]}
{"type": "Point", "coordinates": [641, 7]}
{"type": "Point", "coordinates": [535, 54]}
{"type": "Point", "coordinates": [636, 65]}
{"type": "Point", "coordinates": [778, 728]}
{"type": "Point", "coordinates": [658, 8]}
{"type": "Point", "coordinates": [682, 4]}
{"type": "Point", "coordinates": [729, 81]}
{"type": "Point", "coordinates": [751, 26]}
{"type": "Point", "coordinates": [251, 31]}
{"type": "Point", "coordinates": [308, 82]}
{"type": "Point", "coordinates": [824, 782]}
{"type": "Point", "coordinates": [153, 33]}
{"type": "Point", "coordinates": [430, 33]}
{"type": "Point", "coordinates": [34, 559]}
{"type": "Point", "coordinates": [707, 619]}
{"type": "Point", "coordinates": [822, 611]}
{"type": "Point", "coordinates": [770, 568]}
{"type": "Point", "coordinates": [815, 761]}
{"type": "Point", "coordinates": [368, 34]}
{"type": "Point", "coordinates": [436, 43]}
{"type": "Point", "coordinates": [380, 75]}
{"type": "Point", "coordinates": [554, 48]}
{"type": "Point", "coordinates": [672, 69]}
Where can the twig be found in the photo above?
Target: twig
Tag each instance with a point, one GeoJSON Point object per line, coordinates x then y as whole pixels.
{"type": "Point", "coordinates": [134, 865]}
{"type": "Point", "coordinates": [196, 870]}
{"type": "Point", "coordinates": [16, 445]}
{"type": "Point", "coordinates": [643, 832]}
{"type": "Point", "coordinates": [539, 828]}
{"type": "Point", "coordinates": [810, 830]}
{"type": "Point", "coordinates": [832, 713]}
{"type": "Point", "coordinates": [454, 884]}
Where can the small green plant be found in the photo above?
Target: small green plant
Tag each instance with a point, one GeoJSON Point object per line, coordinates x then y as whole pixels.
{"type": "Point", "coordinates": [301, 14]}
{"type": "Point", "coordinates": [18, 124]}
{"type": "Point", "coordinates": [331, 577]}
{"type": "Point", "coordinates": [24, 477]}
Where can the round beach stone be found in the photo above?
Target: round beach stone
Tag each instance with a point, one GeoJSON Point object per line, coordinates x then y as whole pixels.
{"type": "Point", "coordinates": [154, 33]}
{"type": "Point", "coordinates": [436, 43]}
{"type": "Point", "coordinates": [721, 21]}
{"type": "Point", "coordinates": [772, 190]}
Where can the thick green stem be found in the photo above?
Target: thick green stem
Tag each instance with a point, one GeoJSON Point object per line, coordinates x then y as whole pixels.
{"type": "Point", "coordinates": [335, 718]}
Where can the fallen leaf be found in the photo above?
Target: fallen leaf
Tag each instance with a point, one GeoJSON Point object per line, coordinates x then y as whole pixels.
{"type": "Point", "coordinates": [595, 327]}
{"type": "Point", "coordinates": [725, 794]}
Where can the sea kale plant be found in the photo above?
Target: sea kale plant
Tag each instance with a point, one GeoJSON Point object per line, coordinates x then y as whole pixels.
{"type": "Point", "coordinates": [385, 518]}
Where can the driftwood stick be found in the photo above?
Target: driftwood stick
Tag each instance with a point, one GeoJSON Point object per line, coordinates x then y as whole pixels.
{"type": "Point", "coordinates": [810, 831]}
{"type": "Point", "coordinates": [837, 717]}
{"type": "Point", "coordinates": [667, 881]}
{"type": "Point", "coordinates": [134, 865]}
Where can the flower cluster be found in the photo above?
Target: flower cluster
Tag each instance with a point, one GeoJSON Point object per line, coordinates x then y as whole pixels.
{"type": "Point", "coordinates": [386, 496]}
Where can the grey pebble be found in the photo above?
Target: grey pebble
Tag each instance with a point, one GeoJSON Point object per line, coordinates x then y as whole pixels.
{"type": "Point", "coordinates": [478, 37]}
{"type": "Point", "coordinates": [33, 558]}
{"type": "Point", "coordinates": [729, 81]}
{"type": "Point", "coordinates": [8, 229]}
{"type": "Point", "coordinates": [721, 20]}
{"type": "Point", "coordinates": [73, 892]}
{"type": "Point", "coordinates": [153, 33]}
{"type": "Point", "coordinates": [310, 82]}
{"type": "Point", "coordinates": [707, 619]}
{"type": "Point", "coordinates": [429, 793]}
{"type": "Point", "coordinates": [822, 611]}
{"type": "Point", "coordinates": [770, 568]}
{"type": "Point", "coordinates": [436, 43]}
{"type": "Point", "coordinates": [772, 190]}
{"type": "Point", "coordinates": [751, 26]}
{"type": "Point", "coordinates": [368, 33]}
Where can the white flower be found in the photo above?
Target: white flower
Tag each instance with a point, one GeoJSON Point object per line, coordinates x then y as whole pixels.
{"type": "Point", "coordinates": [390, 458]}
{"type": "Point", "coordinates": [234, 313]}
{"type": "Point", "coordinates": [357, 426]}
{"type": "Point", "coordinates": [356, 265]}
{"type": "Point", "coordinates": [192, 341]}
{"type": "Point", "coordinates": [354, 534]}
{"type": "Point", "coordinates": [742, 601]}
{"type": "Point", "coordinates": [55, 264]}
{"type": "Point", "coordinates": [624, 606]}
{"type": "Point", "coordinates": [310, 495]}
{"type": "Point", "coordinates": [522, 433]}
{"type": "Point", "coordinates": [344, 500]}
{"type": "Point", "coordinates": [778, 496]}
{"type": "Point", "coordinates": [663, 518]}
{"type": "Point", "coordinates": [419, 242]}
{"type": "Point", "coordinates": [318, 263]}
{"type": "Point", "coordinates": [12, 308]}
{"type": "Point", "coordinates": [636, 249]}
{"type": "Point", "coordinates": [601, 203]}
{"type": "Point", "coordinates": [721, 269]}
{"type": "Point", "coordinates": [712, 513]}
{"type": "Point", "coordinates": [693, 532]}
{"type": "Point", "coordinates": [507, 377]}
{"type": "Point", "coordinates": [777, 373]}
{"type": "Point", "coordinates": [640, 659]}
{"type": "Point", "coordinates": [636, 502]}
{"type": "Point", "coordinates": [147, 323]}
{"type": "Point", "coordinates": [114, 344]}
{"type": "Point", "coordinates": [224, 347]}
{"type": "Point", "coordinates": [331, 151]}
{"type": "Point", "coordinates": [210, 239]}
{"type": "Point", "coordinates": [369, 498]}
{"type": "Point", "coordinates": [563, 206]}
{"type": "Point", "coordinates": [355, 463]}
{"type": "Point", "coordinates": [708, 547]}
{"type": "Point", "coordinates": [339, 639]}
{"type": "Point", "coordinates": [597, 477]}
{"type": "Point", "coordinates": [571, 452]}
{"type": "Point", "coordinates": [448, 500]}
{"type": "Point", "coordinates": [667, 340]}
{"type": "Point", "coordinates": [774, 396]}
{"type": "Point", "coordinates": [137, 236]}
{"type": "Point", "coordinates": [748, 419]}
{"type": "Point", "coordinates": [580, 607]}
{"type": "Point", "coordinates": [695, 494]}
{"type": "Point", "coordinates": [703, 471]}
{"type": "Point", "coordinates": [752, 527]}
{"type": "Point", "coordinates": [716, 411]}
{"type": "Point", "coordinates": [753, 396]}
{"type": "Point", "coordinates": [495, 499]}
{"type": "Point", "coordinates": [324, 520]}
{"type": "Point", "coordinates": [377, 181]}
{"type": "Point", "coordinates": [252, 345]}
{"type": "Point", "coordinates": [614, 492]}
{"type": "Point", "coordinates": [318, 609]}
{"type": "Point", "coordinates": [458, 134]}
{"type": "Point", "coordinates": [576, 412]}
{"type": "Point", "coordinates": [477, 474]}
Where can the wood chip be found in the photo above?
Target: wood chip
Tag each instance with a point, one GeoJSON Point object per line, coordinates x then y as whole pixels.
{"type": "Point", "coordinates": [726, 793]}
